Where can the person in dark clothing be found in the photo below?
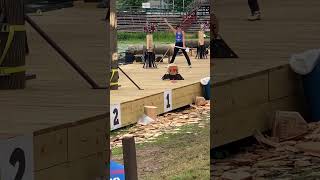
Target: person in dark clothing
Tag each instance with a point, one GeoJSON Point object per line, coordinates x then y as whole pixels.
{"type": "Point", "coordinates": [255, 10]}
{"type": "Point", "coordinates": [102, 4]}
{"type": "Point", "coordinates": [180, 43]}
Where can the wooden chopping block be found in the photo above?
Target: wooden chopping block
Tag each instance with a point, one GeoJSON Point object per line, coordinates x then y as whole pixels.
{"type": "Point", "coordinates": [151, 111]}
{"type": "Point", "coordinates": [200, 101]}
{"type": "Point", "coordinates": [288, 125]}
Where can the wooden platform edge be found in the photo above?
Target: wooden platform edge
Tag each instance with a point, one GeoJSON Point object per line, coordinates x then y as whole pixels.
{"type": "Point", "coordinates": [246, 104]}
{"type": "Point", "coordinates": [67, 125]}
{"type": "Point", "coordinates": [132, 110]}
{"type": "Point", "coordinates": [71, 142]}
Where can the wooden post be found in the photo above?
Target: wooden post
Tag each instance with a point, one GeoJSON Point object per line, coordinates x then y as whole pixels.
{"type": "Point", "coordinates": [151, 111]}
{"type": "Point", "coordinates": [107, 173]}
{"type": "Point", "coordinates": [12, 72]}
{"type": "Point", "coordinates": [109, 58]}
{"type": "Point", "coordinates": [150, 47]}
{"type": "Point", "coordinates": [201, 37]}
{"type": "Point", "coordinates": [129, 158]}
{"type": "Point", "coordinates": [112, 42]}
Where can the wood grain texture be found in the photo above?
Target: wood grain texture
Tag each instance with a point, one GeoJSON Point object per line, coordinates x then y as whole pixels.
{"type": "Point", "coordinates": [267, 43]}
{"type": "Point", "coordinates": [59, 96]}
{"type": "Point", "coordinates": [264, 47]}
{"type": "Point", "coordinates": [59, 103]}
{"type": "Point", "coordinates": [50, 149]}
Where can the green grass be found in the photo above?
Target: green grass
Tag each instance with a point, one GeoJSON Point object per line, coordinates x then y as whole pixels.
{"type": "Point", "coordinates": [181, 156]}
{"type": "Point", "coordinates": [139, 37]}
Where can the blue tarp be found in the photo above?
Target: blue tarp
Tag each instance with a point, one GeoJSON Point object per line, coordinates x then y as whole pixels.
{"type": "Point", "coordinates": [116, 171]}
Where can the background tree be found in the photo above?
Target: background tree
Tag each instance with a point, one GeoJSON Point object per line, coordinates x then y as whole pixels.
{"type": "Point", "coordinates": [130, 2]}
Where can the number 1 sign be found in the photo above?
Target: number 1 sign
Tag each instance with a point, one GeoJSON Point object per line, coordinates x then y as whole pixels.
{"type": "Point", "coordinates": [16, 158]}
{"type": "Point", "coordinates": [167, 100]}
{"type": "Point", "coordinates": [115, 116]}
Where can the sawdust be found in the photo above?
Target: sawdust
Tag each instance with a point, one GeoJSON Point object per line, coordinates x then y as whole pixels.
{"type": "Point", "coordinates": [295, 159]}
{"type": "Point", "coordinates": [168, 123]}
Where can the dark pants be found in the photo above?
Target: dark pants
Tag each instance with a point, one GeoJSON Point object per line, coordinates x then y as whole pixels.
{"type": "Point", "coordinates": [254, 6]}
{"type": "Point", "coordinates": [201, 52]}
{"type": "Point", "coordinates": [150, 60]}
{"type": "Point", "coordinates": [176, 50]}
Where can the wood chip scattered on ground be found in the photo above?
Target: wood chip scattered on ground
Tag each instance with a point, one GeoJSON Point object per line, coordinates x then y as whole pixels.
{"type": "Point", "coordinates": [168, 123]}
{"type": "Point", "coordinates": [297, 158]}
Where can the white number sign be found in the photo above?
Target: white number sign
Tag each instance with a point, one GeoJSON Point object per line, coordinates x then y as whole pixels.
{"type": "Point", "coordinates": [116, 178]}
{"type": "Point", "coordinates": [16, 158]}
{"type": "Point", "coordinates": [167, 100]}
{"type": "Point", "coordinates": [115, 116]}
{"type": "Point", "coordinates": [146, 5]}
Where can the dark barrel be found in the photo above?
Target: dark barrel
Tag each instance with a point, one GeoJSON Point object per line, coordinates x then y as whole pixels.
{"type": "Point", "coordinates": [13, 38]}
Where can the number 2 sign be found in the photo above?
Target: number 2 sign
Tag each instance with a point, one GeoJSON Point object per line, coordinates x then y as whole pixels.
{"type": "Point", "coordinates": [115, 116]}
{"type": "Point", "coordinates": [167, 97]}
{"type": "Point", "coordinates": [16, 158]}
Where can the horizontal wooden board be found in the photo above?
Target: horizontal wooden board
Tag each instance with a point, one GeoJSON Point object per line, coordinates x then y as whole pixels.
{"type": "Point", "coordinates": [222, 99]}
{"type": "Point", "coordinates": [53, 173]}
{"type": "Point", "coordinates": [87, 139]}
{"type": "Point", "coordinates": [283, 82]}
{"type": "Point", "coordinates": [50, 149]}
{"type": "Point", "coordinates": [250, 91]}
{"type": "Point", "coordinates": [90, 167]}
{"type": "Point", "coordinates": [239, 124]}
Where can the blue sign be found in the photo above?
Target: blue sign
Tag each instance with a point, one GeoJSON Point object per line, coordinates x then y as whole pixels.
{"type": "Point", "coordinates": [116, 171]}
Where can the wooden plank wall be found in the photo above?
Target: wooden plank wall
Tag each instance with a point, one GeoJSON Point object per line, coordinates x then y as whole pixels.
{"type": "Point", "coordinates": [74, 152]}
{"type": "Point", "coordinates": [247, 103]}
{"type": "Point", "coordinates": [131, 111]}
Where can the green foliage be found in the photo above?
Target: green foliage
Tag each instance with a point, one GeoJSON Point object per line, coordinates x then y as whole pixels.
{"type": "Point", "coordinates": [130, 2]}
{"type": "Point", "coordinates": [166, 37]}
{"type": "Point", "coordinates": [178, 4]}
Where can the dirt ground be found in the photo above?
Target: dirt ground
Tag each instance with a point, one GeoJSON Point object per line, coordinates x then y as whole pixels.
{"type": "Point", "coordinates": [179, 151]}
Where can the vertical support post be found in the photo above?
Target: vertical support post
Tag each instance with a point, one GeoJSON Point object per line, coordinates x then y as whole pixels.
{"type": "Point", "coordinates": [13, 45]}
{"type": "Point", "coordinates": [212, 35]}
{"type": "Point", "coordinates": [108, 31]}
{"type": "Point", "coordinates": [108, 158]}
{"type": "Point", "coordinates": [112, 41]}
{"type": "Point", "coordinates": [150, 47]}
{"type": "Point", "coordinates": [130, 158]}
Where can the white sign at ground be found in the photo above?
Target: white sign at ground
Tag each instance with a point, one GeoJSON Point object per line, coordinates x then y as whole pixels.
{"type": "Point", "coordinates": [16, 158]}
{"type": "Point", "coordinates": [167, 100]}
{"type": "Point", "coordinates": [146, 5]}
{"type": "Point", "coordinates": [115, 116]}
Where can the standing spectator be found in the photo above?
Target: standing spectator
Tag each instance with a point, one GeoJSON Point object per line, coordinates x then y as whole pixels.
{"type": "Point", "coordinates": [201, 43]}
{"type": "Point", "coordinates": [255, 10]}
